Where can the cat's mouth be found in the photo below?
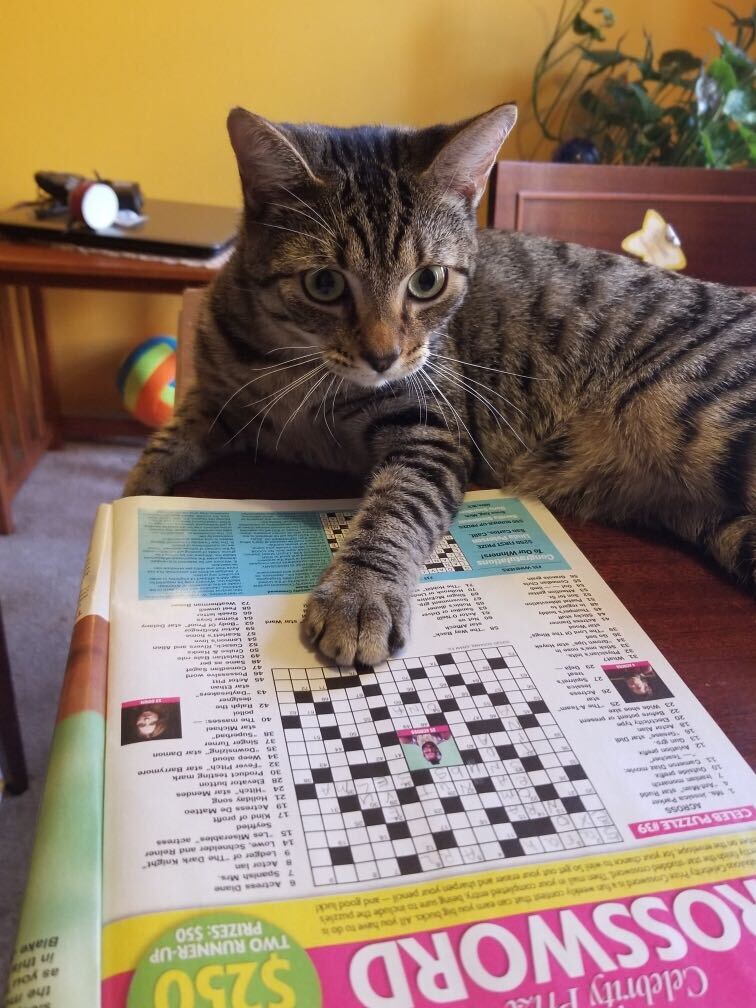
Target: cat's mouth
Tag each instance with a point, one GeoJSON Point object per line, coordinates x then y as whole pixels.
{"type": "Point", "coordinates": [369, 371]}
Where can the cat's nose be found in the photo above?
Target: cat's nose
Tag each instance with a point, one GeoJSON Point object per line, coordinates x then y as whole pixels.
{"type": "Point", "coordinates": [380, 362]}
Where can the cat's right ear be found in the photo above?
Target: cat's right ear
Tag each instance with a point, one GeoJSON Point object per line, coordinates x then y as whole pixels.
{"type": "Point", "coordinates": [268, 159]}
{"type": "Point", "coordinates": [465, 161]}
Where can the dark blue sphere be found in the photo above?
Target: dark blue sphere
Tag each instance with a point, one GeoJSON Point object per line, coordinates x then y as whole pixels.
{"type": "Point", "coordinates": [579, 150]}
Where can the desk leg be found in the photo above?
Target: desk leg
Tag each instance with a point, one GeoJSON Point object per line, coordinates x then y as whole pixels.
{"type": "Point", "coordinates": [13, 761]}
{"type": "Point", "coordinates": [44, 359]}
{"type": "Point", "coordinates": [6, 496]}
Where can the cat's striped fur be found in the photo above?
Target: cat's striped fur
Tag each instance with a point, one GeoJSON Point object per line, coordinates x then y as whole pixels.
{"type": "Point", "coordinates": [609, 389]}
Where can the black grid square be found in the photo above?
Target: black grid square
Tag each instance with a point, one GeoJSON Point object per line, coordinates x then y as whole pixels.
{"type": "Point", "coordinates": [397, 830]}
{"type": "Point", "coordinates": [445, 840]}
{"type": "Point", "coordinates": [575, 772]}
{"type": "Point", "coordinates": [341, 855]}
{"type": "Point", "coordinates": [511, 848]}
{"type": "Point", "coordinates": [373, 817]}
{"type": "Point", "coordinates": [573, 804]}
{"type": "Point", "coordinates": [546, 792]}
{"type": "Point", "coordinates": [452, 804]}
{"type": "Point", "coordinates": [409, 864]}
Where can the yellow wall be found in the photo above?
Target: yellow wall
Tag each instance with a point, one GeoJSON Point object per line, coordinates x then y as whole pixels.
{"type": "Point", "coordinates": [140, 89]}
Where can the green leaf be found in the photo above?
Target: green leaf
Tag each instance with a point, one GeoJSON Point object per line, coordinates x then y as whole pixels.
{"type": "Point", "coordinates": [648, 109]}
{"type": "Point", "coordinates": [603, 57]}
{"type": "Point", "coordinates": [738, 105]}
{"type": "Point", "coordinates": [723, 74]}
{"type": "Point", "coordinates": [749, 136]}
{"type": "Point", "coordinates": [711, 158]}
{"type": "Point", "coordinates": [734, 57]}
{"type": "Point", "coordinates": [677, 62]}
{"type": "Point", "coordinates": [582, 27]}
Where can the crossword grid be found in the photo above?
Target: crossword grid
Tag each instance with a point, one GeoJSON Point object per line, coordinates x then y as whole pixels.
{"type": "Point", "coordinates": [519, 789]}
{"type": "Point", "coordinates": [447, 556]}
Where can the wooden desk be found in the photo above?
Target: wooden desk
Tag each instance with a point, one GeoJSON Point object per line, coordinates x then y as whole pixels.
{"type": "Point", "coordinates": [29, 409]}
{"type": "Point", "coordinates": [703, 623]}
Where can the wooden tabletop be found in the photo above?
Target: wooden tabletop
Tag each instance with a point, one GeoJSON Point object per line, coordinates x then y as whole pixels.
{"type": "Point", "coordinates": [69, 266]}
{"type": "Point", "coordinates": [702, 622]}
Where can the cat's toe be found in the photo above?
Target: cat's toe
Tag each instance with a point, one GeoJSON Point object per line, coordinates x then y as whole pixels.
{"type": "Point", "coordinates": [356, 625]}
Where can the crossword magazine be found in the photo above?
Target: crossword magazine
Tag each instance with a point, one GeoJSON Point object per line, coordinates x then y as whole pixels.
{"type": "Point", "coordinates": [526, 808]}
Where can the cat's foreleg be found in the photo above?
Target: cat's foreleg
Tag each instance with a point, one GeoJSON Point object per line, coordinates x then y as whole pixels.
{"type": "Point", "coordinates": [360, 611]}
{"type": "Point", "coordinates": [732, 543]}
{"type": "Point", "coordinates": [179, 449]}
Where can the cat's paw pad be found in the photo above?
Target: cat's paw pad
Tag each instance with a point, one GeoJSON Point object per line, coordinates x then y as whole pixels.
{"type": "Point", "coordinates": [356, 617]}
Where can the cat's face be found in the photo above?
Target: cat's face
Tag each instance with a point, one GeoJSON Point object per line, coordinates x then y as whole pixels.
{"type": "Point", "coordinates": [361, 242]}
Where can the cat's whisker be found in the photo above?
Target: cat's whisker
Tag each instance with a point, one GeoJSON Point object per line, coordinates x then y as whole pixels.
{"type": "Point", "coordinates": [291, 209]}
{"type": "Point", "coordinates": [454, 412]}
{"type": "Point", "coordinates": [333, 402]}
{"type": "Point", "coordinates": [421, 398]}
{"type": "Point", "coordinates": [270, 370]}
{"type": "Point", "coordinates": [289, 362]}
{"type": "Point", "coordinates": [305, 234]}
{"type": "Point", "coordinates": [324, 404]}
{"type": "Point", "coordinates": [455, 380]}
{"type": "Point", "coordinates": [309, 206]}
{"type": "Point", "coordinates": [282, 395]}
{"type": "Point", "coordinates": [300, 346]}
{"type": "Point", "coordinates": [337, 223]}
{"type": "Point", "coordinates": [341, 213]}
{"type": "Point", "coordinates": [467, 380]}
{"type": "Point", "coordinates": [439, 405]}
{"type": "Point", "coordinates": [485, 367]}
{"type": "Point", "coordinates": [279, 392]}
{"type": "Point", "coordinates": [467, 429]}
{"type": "Point", "coordinates": [299, 407]}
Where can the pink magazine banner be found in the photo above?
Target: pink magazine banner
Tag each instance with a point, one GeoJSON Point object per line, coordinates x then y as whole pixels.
{"type": "Point", "coordinates": [685, 947]}
{"type": "Point", "coordinates": [698, 820]}
{"type": "Point", "coordinates": [151, 700]}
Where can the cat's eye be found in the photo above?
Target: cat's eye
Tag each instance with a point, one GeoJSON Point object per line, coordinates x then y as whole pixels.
{"type": "Point", "coordinates": [324, 285]}
{"type": "Point", "coordinates": [428, 282]}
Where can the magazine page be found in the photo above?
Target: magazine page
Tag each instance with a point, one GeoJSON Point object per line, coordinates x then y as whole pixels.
{"type": "Point", "coordinates": [528, 749]}
{"type": "Point", "coordinates": [56, 961]}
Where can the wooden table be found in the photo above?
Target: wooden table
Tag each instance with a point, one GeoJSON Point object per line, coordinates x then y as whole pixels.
{"type": "Point", "coordinates": [702, 622]}
{"type": "Point", "coordinates": [29, 408]}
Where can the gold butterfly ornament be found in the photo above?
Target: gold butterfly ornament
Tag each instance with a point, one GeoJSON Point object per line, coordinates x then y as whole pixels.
{"type": "Point", "coordinates": [656, 243]}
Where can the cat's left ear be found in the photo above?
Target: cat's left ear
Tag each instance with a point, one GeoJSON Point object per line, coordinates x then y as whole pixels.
{"type": "Point", "coordinates": [465, 161]}
{"type": "Point", "coordinates": [268, 158]}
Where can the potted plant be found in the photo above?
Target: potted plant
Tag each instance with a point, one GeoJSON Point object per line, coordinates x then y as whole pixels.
{"type": "Point", "coordinates": [632, 132]}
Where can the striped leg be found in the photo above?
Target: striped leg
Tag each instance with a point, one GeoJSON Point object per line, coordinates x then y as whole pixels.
{"type": "Point", "coordinates": [360, 611]}
{"type": "Point", "coordinates": [733, 544]}
{"type": "Point", "coordinates": [175, 452]}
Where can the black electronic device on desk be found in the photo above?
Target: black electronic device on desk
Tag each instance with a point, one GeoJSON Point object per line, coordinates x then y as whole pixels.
{"type": "Point", "coordinates": [181, 230]}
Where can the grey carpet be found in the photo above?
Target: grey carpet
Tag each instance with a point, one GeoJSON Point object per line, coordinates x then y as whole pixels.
{"type": "Point", "coordinates": [40, 569]}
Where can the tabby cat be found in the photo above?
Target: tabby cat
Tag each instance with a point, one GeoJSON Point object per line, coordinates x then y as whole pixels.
{"type": "Point", "coordinates": [364, 324]}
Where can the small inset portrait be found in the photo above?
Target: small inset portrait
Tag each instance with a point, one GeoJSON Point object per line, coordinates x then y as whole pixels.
{"type": "Point", "coordinates": [426, 748]}
{"type": "Point", "coordinates": [637, 681]}
{"type": "Point", "coordinates": [150, 720]}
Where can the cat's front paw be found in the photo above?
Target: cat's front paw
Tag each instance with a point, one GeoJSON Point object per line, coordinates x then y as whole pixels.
{"type": "Point", "coordinates": [356, 616]}
{"type": "Point", "coordinates": [144, 480]}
